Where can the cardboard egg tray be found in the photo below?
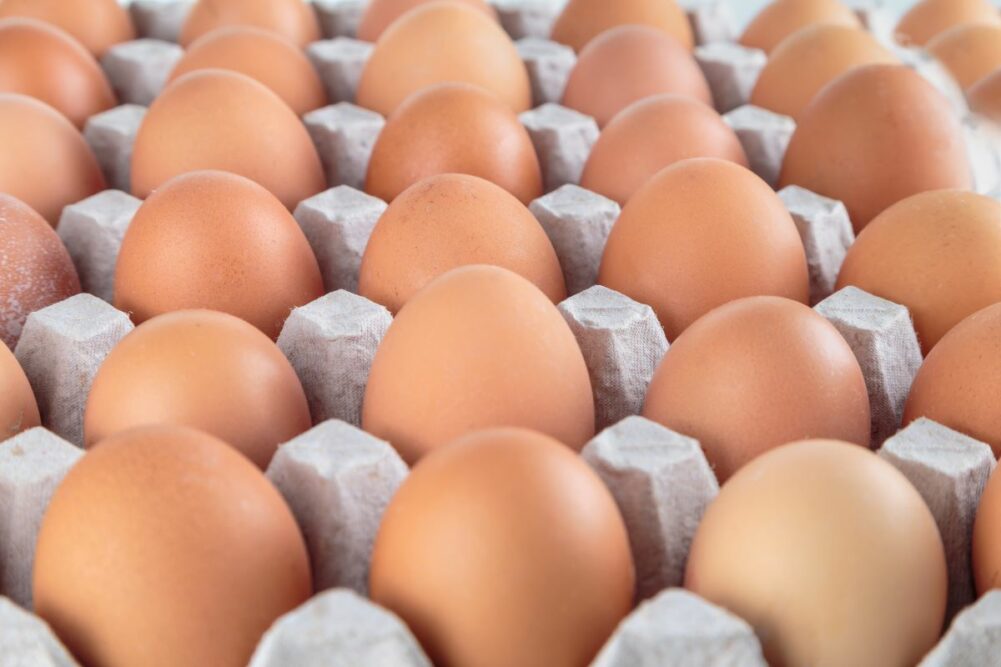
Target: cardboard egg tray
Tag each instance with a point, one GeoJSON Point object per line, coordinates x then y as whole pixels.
{"type": "Point", "coordinates": [338, 479]}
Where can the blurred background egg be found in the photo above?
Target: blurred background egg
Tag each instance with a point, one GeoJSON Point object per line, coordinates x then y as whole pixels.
{"type": "Point", "coordinates": [583, 20]}
{"type": "Point", "coordinates": [782, 18]}
{"type": "Point", "coordinates": [829, 553]}
{"type": "Point", "coordinates": [699, 234]}
{"type": "Point", "coordinates": [987, 537]}
{"type": "Point", "coordinates": [874, 136]}
{"type": "Point", "coordinates": [970, 51]}
{"type": "Point", "coordinates": [452, 220]}
{"type": "Point", "coordinates": [627, 64]}
{"type": "Point", "coordinates": [218, 241]}
{"type": "Point", "coordinates": [652, 134]}
{"type": "Point", "coordinates": [202, 121]}
{"type": "Point", "coordinates": [165, 547]}
{"type": "Point", "coordinates": [18, 409]}
{"type": "Point", "coordinates": [380, 14]}
{"type": "Point", "coordinates": [97, 24]}
{"type": "Point", "coordinates": [443, 41]}
{"type": "Point", "coordinates": [985, 97]}
{"type": "Point", "coordinates": [262, 55]}
{"type": "Point", "coordinates": [35, 268]}
{"type": "Point", "coordinates": [45, 161]}
{"type": "Point", "coordinates": [454, 128]}
{"type": "Point", "coordinates": [479, 347]}
{"type": "Point", "coordinates": [930, 18]}
{"type": "Point", "coordinates": [42, 61]}
{"type": "Point", "coordinates": [293, 19]}
{"type": "Point", "coordinates": [755, 374]}
{"type": "Point", "coordinates": [545, 573]}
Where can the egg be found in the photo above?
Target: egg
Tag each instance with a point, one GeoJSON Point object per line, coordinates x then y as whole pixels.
{"type": "Point", "coordinates": [164, 546]}
{"type": "Point", "coordinates": [960, 379]}
{"type": "Point", "coordinates": [42, 61]}
{"type": "Point", "coordinates": [18, 409]}
{"type": "Point", "coordinates": [652, 134]}
{"type": "Point", "coordinates": [203, 120]}
{"type": "Point", "coordinates": [986, 546]}
{"type": "Point", "coordinates": [545, 572]}
{"type": "Point", "coordinates": [442, 42]}
{"type": "Point", "coordinates": [985, 96]}
{"type": "Point", "coordinates": [803, 63]}
{"type": "Point", "coordinates": [938, 253]}
{"type": "Point", "coordinates": [380, 14]}
{"type": "Point", "coordinates": [293, 19]}
{"type": "Point", "coordinates": [782, 18]}
{"type": "Point", "coordinates": [262, 55]}
{"type": "Point", "coordinates": [45, 161]}
{"type": "Point", "coordinates": [452, 220]}
{"type": "Point", "coordinates": [583, 20]}
{"type": "Point", "coordinates": [627, 64]}
{"type": "Point", "coordinates": [699, 234]}
{"type": "Point", "coordinates": [215, 240]}
{"type": "Point", "coordinates": [479, 347]}
{"type": "Point", "coordinates": [874, 136]}
{"type": "Point", "coordinates": [454, 128]}
{"type": "Point", "coordinates": [970, 51]}
{"type": "Point", "coordinates": [97, 24]}
{"type": "Point", "coordinates": [202, 369]}
{"type": "Point", "coordinates": [829, 553]}
{"type": "Point", "coordinates": [35, 268]}
{"type": "Point", "coordinates": [930, 18]}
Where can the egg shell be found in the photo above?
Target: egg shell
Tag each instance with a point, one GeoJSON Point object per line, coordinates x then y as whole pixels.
{"type": "Point", "coordinates": [202, 369]}
{"type": "Point", "coordinates": [454, 220]}
{"type": "Point", "coordinates": [479, 347]}
{"type": "Point", "coordinates": [629, 63]}
{"type": "Point", "coordinates": [985, 96]}
{"type": "Point", "coordinates": [651, 134]}
{"type": "Point", "coordinates": [454, 128]}
{"type": "Point", "coordinates": [829, 553]}
{"type": "Point", "coordinates": [969, 51]}
{"type": "Point", "coordinates": [960, 380]}
{"type": "Point", "coordinates": [203, 121]}
{"type": "Point", "coordinates": [700, 233]}
{"type": "Point", "coordinates": [35, 267]}
{"type": "Point", "coordinates": [219, 241]}
{"type": "Point", "coordinates": [380, 14]}
{"type": "Point", "coordinates": [545, 572]}
{"type": "Point", "coordinates": [97, 24]}
{"type": "Point", "coordinates": [443, 42]}
{"type": "Point", "coordinates": [164, 546]}
{"type": "Point", "coordinates": [930, 18]}
{"type": "Point", "coordinates": [782, 18]}
{"type": "Point", "coordinates": [583, 20]}
{"type": "Point", "coordinates": [18, 408]}
{"type": "Point", "coordinates": [938, 253]}
{"type": "Point", "coordinates": [263, 56]}
{"type": "Point", "coordinates": [293, 19]}
{"type": "Point", "coordinates": [45, 161]}
{"type": "Point", "coordinates": [986, 547]}
{"type": "Point", "coordinates": [42, 61]}
{"type": "Point", "coordinates": [874, 136]}
{"type": "Point", "coordinates": [806, 61]}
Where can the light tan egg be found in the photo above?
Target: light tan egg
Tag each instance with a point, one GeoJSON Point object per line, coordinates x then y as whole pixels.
{"type": "Point", "coordinates": [929, 18]}
{"type": "Point", "coordinates": [97, 24]}
{"type": "Point", "coordinates": [627, 64]}
{"type": "Point", "coordinates": [441, 42]}
{"type": "Point", "coordinates": [18, 409]}
{"type": "Point", "coordinates": [782, 18]}
{"type": "Point", "coordinates": [583, 20]}
{"type": "Point", "coordinates": [985, 97]}
{"type": "Point", "coordinates": [293, 19]}
{"type": "Point", "coordinates": [454, 128]}
{"type": "Point", "coordinates": [970, 51]}
{"type": "Point", "coordinates": [986, 545]}
{"type": "Point", "coordinates": [380, 14]}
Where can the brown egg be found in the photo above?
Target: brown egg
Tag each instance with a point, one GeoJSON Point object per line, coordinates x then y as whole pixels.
{"type": "Point", "coordinates": [806, 61]}
{"type": "Point", "coordinates": [930, 18]}
{"type": "Point", "coordinates": [18, 409]}
{"type": "Point", "coordinates": [380, 14]}
{"type": "Point", "coordinates": [448, 221]}
{"type": "Point", "coordinates": [293, 19]}
{"type": "Point", "coordinates": [829, 553]}
{"type": "Point", "coordinates": [970, 51]}
{"type": "Point", "coordinates": [203, 121]}
{"type": "Point", "coordinates": [627, 64]}
{"type": "Point", "coordinates": [45, 161]}
{"type": "Point", "coordinates": [479, 347]}
{"type": "Point", "coordinates": [985, 97]}
{"type": "Point", "coordinates": [545, 572]}
{"type": "Point", "coordinates": [583, 20]}
{"type": "Point", "coordinates": [987, 537]}
{"type": "Point", "coordinates": [652, 134]}
{"type": "Point", "coordinates": [264, 56]}
{"type": "Point", "coordinates": [36, 270]}
{"type": "Point", "coordinates": [454, 128]}
{"type": "Point", "coordinates": [938, 253]}
{"type": "Point", "coordinates": [215, 240]}
{"type": "Point", "coordinates": [876, 135]}
{"type": "Point", "coordinates": [42, 61]}
{"type": "Point", "coordinates": [960, 380]}
{"type": "Point", "coordinates": [165, 547]}
{"type": "Point", "coordinates": [202, 369]}
{"type": "Point", "coordinates": [782, 18]}
{"type": "Point", "coordinates": [97, 24]}
{"type": "Point", "coordinates": [699, 234]}
{"type": "Point", "coordinates": [441, 42]}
